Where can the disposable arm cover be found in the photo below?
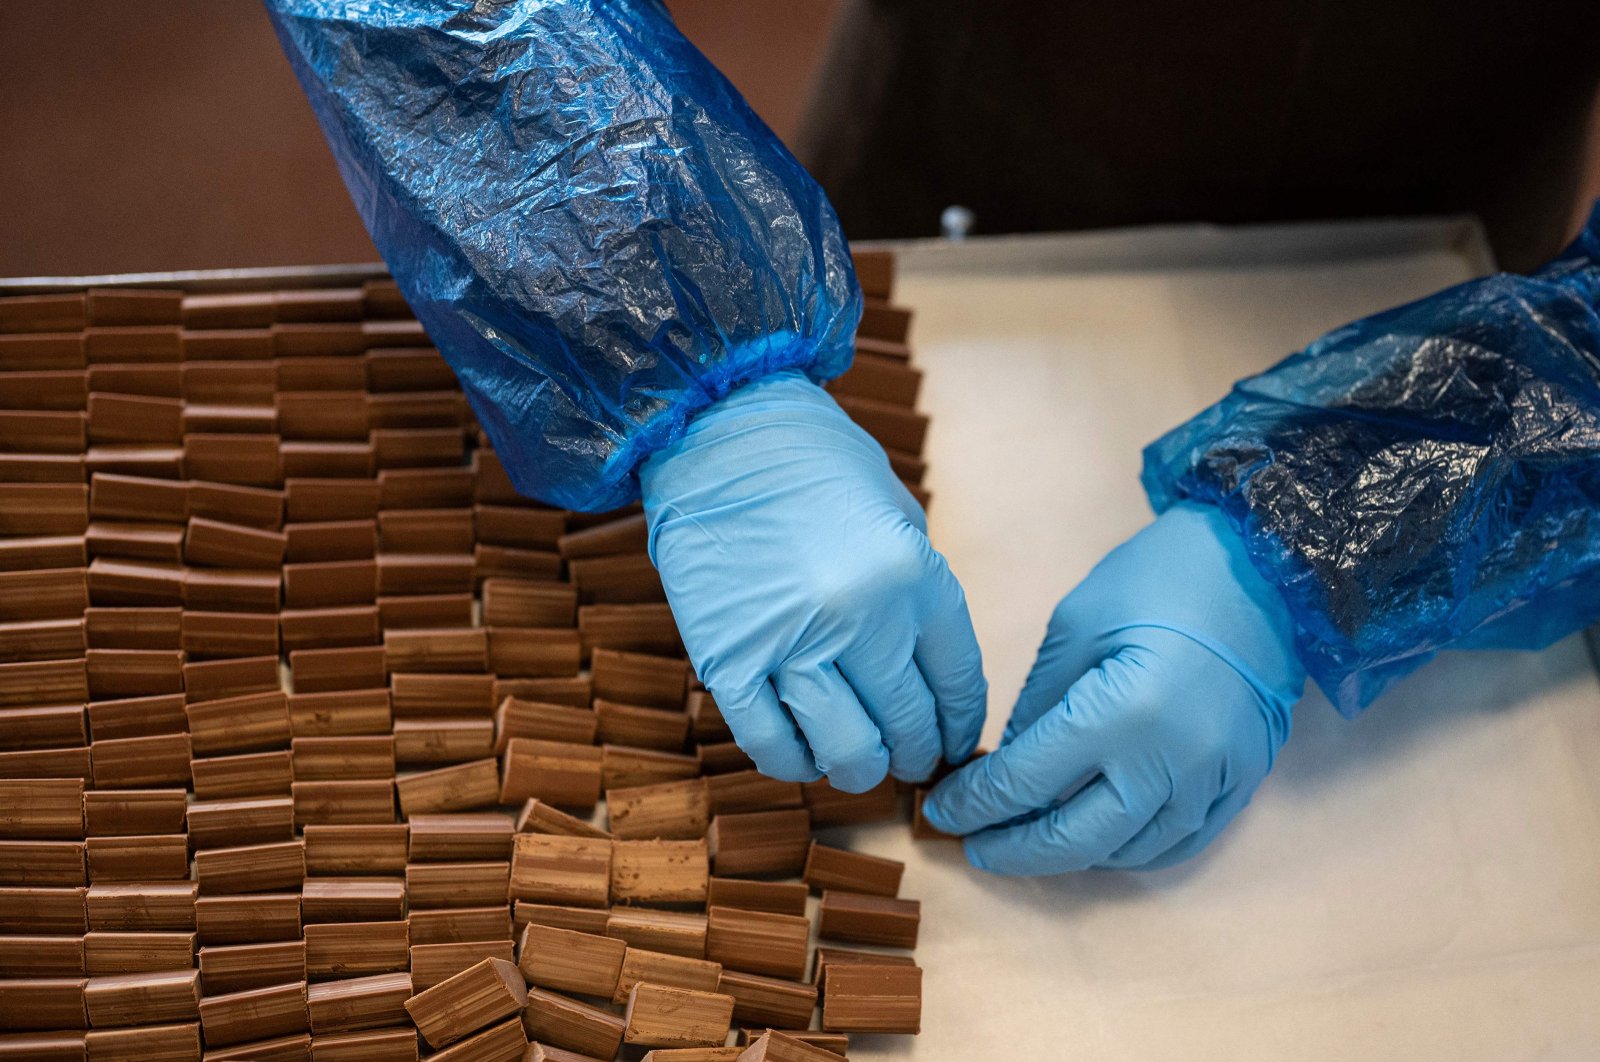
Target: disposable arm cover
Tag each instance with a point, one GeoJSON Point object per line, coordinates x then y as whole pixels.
{"type": "Point", "coordinates": [1425, 478]}
{"type": "Point", "coordinates": [593, 226]}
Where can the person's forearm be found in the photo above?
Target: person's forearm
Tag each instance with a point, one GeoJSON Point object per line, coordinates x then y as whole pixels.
{"type": "Point", "coordinates": [1424, 478]}
{"type": "Point", "coordinates": [599, 234]}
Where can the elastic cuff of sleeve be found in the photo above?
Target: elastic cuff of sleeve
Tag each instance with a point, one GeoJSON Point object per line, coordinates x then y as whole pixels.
{"type": "Point", "coordinates": [618, 483]}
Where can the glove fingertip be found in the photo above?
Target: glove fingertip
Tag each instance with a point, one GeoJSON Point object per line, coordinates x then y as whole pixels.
{"type": "Point", "coordinates": [920, 772]}
{"type": "Point", "coordinates": [784, 767]}
{"type": "Point", "coordinates": [960, 730]}
{"type": "Point", "coordinates": [858, 777]}
{"type": "Point", "coordinates": [938, 813]}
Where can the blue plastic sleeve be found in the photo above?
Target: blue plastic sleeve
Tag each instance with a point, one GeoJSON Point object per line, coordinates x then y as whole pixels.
{"type": "Point", "coordinates": [596, 230]}
{"type": "Point", "coordinates": [1425, 478]}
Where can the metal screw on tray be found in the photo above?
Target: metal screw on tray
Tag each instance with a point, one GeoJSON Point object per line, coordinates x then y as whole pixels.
{"type": "Point", "coordinates": [956, 221]}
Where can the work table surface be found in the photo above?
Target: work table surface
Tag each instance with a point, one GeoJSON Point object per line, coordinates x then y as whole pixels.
{"type": "Point", "coordinates": [1421, 883]}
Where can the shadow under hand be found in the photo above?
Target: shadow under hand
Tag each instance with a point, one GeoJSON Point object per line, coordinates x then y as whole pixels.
{"type": "Point", "coordinates": [1324, 754]}
{"type": "Point", "coordinates": [1325, 749]}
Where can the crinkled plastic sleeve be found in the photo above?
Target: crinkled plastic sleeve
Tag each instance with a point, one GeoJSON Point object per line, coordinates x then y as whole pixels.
{"type": "Point", "coordinates": [596, 230]}
{"type": "Point", "coordinates": [1425, 478]}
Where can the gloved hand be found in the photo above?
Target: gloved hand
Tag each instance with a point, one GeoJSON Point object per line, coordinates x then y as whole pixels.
{"type": "Point", "coordinates": [833, 637]}
{"type": "Point", "coordinates": [1156, 706]}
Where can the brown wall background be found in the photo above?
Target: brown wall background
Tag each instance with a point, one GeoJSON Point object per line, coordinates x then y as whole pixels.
{"type": "Point", "coordinates": [170, 134]}
{"type": "Point", "coordinates": [160, 134]}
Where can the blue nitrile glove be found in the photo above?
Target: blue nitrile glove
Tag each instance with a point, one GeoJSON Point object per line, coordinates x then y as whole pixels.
{"type": "Point", "coordinates": [832, 635]}
{"type": "Point", "coordinates": [1157, 704]}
